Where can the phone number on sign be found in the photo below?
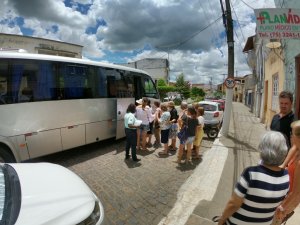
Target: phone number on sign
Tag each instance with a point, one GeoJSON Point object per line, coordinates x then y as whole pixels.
{"type": "Point", "coordinates": [284, 35]}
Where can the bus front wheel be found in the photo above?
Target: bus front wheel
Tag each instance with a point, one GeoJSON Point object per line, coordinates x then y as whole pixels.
{"type": "Point", "coordinates": [6, 156]}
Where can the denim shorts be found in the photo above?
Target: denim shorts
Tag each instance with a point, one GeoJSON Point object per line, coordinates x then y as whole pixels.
{"type": "Point", "coordinates": [173, 131]}
{"type": "Point", "coordinates": [145, 127]}
{"type": "Point", "coordinates": [190, 140]}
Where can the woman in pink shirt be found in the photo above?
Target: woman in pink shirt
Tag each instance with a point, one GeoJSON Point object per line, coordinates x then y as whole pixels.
{"type": "Point", "coordinates": [143, 113]}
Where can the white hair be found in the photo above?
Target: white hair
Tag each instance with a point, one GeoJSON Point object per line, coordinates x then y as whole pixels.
{"type": "Point", "coordinates": [273, 148]}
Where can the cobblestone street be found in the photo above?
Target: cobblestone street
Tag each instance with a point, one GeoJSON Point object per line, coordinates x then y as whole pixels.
{"type": "Point", "coordinates": [132, 193]}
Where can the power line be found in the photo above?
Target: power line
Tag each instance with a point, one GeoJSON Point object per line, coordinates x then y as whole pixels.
{"type": "Point", "coordinates": [214, 32]}
{"type": "Point", "coordinates": [189, 38]}
{"type": "Point", "coordinates": [241, 47]}
{"type": "Point", "coordinates": [237, 19]}
{"type": "Point", "coordinates": [247, 4]}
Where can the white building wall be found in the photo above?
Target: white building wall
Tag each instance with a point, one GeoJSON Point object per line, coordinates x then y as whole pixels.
{"type": "Point", "coordinates": [39, 45]}
{"type": "Point", "coordinates": [157, 68]}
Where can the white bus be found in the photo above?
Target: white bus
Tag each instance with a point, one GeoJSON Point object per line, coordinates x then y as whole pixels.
{"type": "Point", "coordinates": [49, 104]}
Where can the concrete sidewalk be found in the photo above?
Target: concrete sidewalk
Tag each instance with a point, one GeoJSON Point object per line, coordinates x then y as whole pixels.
{"type": "Point", "coordinates": [208, 189]}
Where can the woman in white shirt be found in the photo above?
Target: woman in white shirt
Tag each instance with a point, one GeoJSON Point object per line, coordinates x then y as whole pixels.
{"type": "Point", "coordinates": [130, 131]}
{"type": "Point", "coordinates": [165, 125]}
{"type": "Point", "coordinates": [143, 113]}
{"type": "Point", "coordinates": [151, 122]}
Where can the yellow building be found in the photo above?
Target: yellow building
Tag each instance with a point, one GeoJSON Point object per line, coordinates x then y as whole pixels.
{"type": "Point", "coordinates": [238, 90]}
{"type": "Point", "coordinates": [273, 84]}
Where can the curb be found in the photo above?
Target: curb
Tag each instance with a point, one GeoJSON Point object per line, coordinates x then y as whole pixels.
{"type": "Point", "coordinates": [200, 186]}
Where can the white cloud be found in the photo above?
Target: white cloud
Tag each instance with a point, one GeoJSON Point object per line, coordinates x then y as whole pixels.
{"type": "Point", "coordinates": [83, 1]}
{"type": "Point", "coordinates": [172, 27]}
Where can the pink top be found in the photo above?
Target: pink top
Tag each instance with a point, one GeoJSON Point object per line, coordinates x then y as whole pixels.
{"type": "Point", "coordinates": [144, 115]}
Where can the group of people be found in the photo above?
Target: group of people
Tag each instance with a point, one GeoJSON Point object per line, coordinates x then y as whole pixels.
{"type": "Point", "coordinates": [143, 121]}
{"type": "Point", "coordinates": [269, 192]}
{"type": "Point", "coordinates": [265, 194]}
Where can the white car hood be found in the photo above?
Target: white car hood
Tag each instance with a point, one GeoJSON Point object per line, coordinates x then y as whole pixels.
{"type": "Point", "coordinates": [52, 195]}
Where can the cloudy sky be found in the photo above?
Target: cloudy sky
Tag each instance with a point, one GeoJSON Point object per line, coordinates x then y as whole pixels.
{"type": "Point", "coordinates": [190, 33]}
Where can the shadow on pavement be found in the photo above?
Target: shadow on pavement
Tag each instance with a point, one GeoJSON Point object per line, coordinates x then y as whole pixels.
{"type": "Point", "coordinates": [132, 164]}
{"type": "Point", "coordinates": [189, 166]}
{"type": "Point", "coordinates": [246, 144]}
{"type": "Point", "coordinates": [144, 152]}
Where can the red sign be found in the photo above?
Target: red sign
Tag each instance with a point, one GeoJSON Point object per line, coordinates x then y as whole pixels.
{"type": "Point", "coordinates": [229, 82]}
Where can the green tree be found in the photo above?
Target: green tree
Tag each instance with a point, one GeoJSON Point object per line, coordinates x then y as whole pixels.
{"type": "Point", "coordinates": [197, 92]}
{"type": "Point", "coordinates": [218, 94]}
{"type": "Point", "coordinates": [161, 82]}
{"type": "Point", "coordinates": [182, 86]}
{"type": "Point", "coordinates": [163, 90]}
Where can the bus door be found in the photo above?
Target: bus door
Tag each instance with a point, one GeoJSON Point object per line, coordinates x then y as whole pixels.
{"type": "Point", "coordinates": [122, 104]}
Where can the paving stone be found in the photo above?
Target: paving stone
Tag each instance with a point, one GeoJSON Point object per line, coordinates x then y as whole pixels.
{"type": "Point", "coordinates": [131, 193]}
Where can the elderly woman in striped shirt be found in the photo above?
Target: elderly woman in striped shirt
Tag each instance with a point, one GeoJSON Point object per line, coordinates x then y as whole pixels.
{"type": "Point", "coordinates": [261, 188]}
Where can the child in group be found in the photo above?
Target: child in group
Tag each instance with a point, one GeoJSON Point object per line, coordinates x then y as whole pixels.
{"type": "Point", "coordinates": [191, 123]}
{"type": "Point", "coordinates": [174, 126]}
{"type": "Point", "coordinates": [200, 132]}
{"type": "Point", "coordinates": [156, 127]}
{"type": "Point", "coordinates": [151, 122]}
{"type": "Point", "coordinates": [164, 123]}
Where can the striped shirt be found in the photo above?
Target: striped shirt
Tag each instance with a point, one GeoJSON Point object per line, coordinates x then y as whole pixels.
{"type": "Point", "coordinates": [263, 190]}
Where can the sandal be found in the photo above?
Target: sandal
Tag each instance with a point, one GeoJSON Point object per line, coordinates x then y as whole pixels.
{"type": "Point", "coordinates": [287, 217]}
{"type": "Point", "coordinates": [163, 153]}
{"type": "Point", "coordinates": [216, 219]}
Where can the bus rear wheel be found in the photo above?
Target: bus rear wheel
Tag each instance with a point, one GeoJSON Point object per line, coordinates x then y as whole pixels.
{"type": "Point", "coordinates": [6, 156]}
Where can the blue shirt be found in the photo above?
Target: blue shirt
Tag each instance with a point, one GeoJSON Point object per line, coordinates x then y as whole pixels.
{"type": "Point", "coordinates": [165, 121]}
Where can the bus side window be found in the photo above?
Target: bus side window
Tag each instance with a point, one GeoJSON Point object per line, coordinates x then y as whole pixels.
{"type": "Point", "coordinates": [101, 83]}
{"type": "Point", "coordinates": [2, 94]}
{"type": "Point", "coordinates": [26, 95]}
{"type": "Point", "coordinates": [112, 86]}
{"type": "Point", "coordinates": [74, 81]}
{"type": "Point", "coordinates": [129, 85]}
{"type": "Point", "coordinates": [122, 85]}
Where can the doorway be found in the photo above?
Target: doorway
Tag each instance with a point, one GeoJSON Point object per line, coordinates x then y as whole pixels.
{"type": "Point", "coordinates": [297, 85]}
{"type": "Point", "coordinates": [266, 90]}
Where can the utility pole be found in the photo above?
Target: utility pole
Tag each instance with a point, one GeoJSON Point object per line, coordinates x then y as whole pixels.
{"type": "Point", "coordinates": [230, 74]}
